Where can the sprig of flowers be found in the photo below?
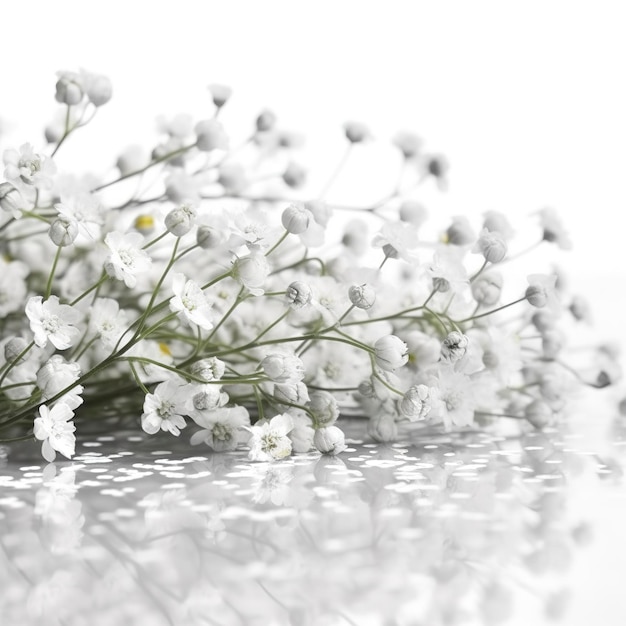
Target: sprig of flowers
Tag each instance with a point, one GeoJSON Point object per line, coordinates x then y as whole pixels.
{"type": "Point", "coordinates": [233, 299]}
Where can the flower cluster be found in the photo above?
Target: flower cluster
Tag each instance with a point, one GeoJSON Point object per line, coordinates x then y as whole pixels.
{"type": "Point", "coordinates": [207, 284]}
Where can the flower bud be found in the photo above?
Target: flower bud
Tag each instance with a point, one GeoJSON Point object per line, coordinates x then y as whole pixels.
{"type": "Point", "coordinates": [356, 132]}
{"type": "Point", "coordinates": [132, 160]}
{"type": "Point", "coordinates": [454, 346]}
{"type": "Point", "coordinates": [330, 440]}
{"type": "Point", "coordinates": [180, 220]}
{"type": "Point", "coordinates": [232, 176]}
{"type": "Point", "coordinates": [540, 289]}
{"type": "Point", "coordinates": [437, 166]}
{"type": "Point", "coordinates": [210, 135]}
{"type": "Point", "coordinates": [408, 143]}
{"type": "Point", "coordinates": [415, 404]}
{"type": "Point", "coordinates": [63, 232]}
{"type": "Point", "coordinates": [251, 272]}
{"type": "Point", "coordinates": [492, 246]}
{"type": "Point", "coordinates": [294, 175]}
{"type": "Point", "coordinates": [579, 308]}
{"type": "Point", "coordinates": [292, 393]}
{"type": "Point", "coordinates": [13, 349]}
{"type": "Point", "coordinates": [298, 294]}
{"type": "Point", "coordinates": [68, 89]}
{"type": "Point", "coordinates": [543, 321]}
{"type": "Point", "coordinates": [209, 399]}
{"type": "Point", "coordinates": [296, 219]}
{"type": "Point", "coordinates": [538, 413]}
{"type": "Point", "coordinates": [208, 237]}
{"type": "Point", "coordinates": [11, 199]}
{"type": "Point", "coordinates": [209, 369]}
{"type": "Point", "coordinates": [220, 94]}
{"type": "Point", "coordinates": [390, 353]}
{"type": "Point", "coordinates": [497, 222]}
{"type": "Point", "coordinates": [487, 287]}
{"type": "Point", "coordinates": [265, 121]}
{"type": "Point", "coordinates": [460, 232]}
{"type": "Point", "coordinates": [283, 368]}
{"type": "Point", "coordinates": [552, 342]}
{"type": "Point", "coordinates": [413, 212]}
{"type": "Point", "coordinates": [99, 89]}
{"type": "Point", "coordinates": [324, 408]}
{"type": "Point", "coordinates": [362, 296]}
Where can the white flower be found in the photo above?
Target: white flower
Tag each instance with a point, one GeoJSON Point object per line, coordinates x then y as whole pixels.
{"type": "Point", "coordinates": [454, 346]}
{"type": "Point", "coordinates": [330, 440]}
{"type": "Point", "coordinates": [11, 200]}
{"type": "Point", "coordinates": [55, 375]}
{"type": "Point", "coordinates": [222, 429]}
{"type": "Point", "coordinates": [453, 397]}
{"type": "Point", "coordinates": [298, 295]}
{"type": "Point", "coordinates": [190, 303]}
{"type": "Point", "coordinates": [382, 428]}
{"type": "Point", "coordinates": [487, 287]}
{"type": "Point", "coordinates": [107, 321]}
{"type": "Point", "coordinates": [126, 258]}
{"type": "Point", "coordinates": [270, 441]}
{"type": "Point", "coordinates": [390, 353]}
{"type": "Point", "coordinates": [211, 136]}
{"type": "Point", "coordinates": [324, 408]}
{"type": "Point", "coordinates": [164, 409]}
{"type": "Point", "coordinates": [398, 239]}
{"type": "Point", "coordinates": [28, 167]}
{"type": "Point", "coordinates": [460, 232]}
{"type": "Point", "coordinates": [553, 229]}
{"type": "Point", "coordinates": [12, 285]}
{"type": "Point", "coordinates": [296, 219]}
{"type": "Point", "coordinates": [85, 210]}
{"type": "Point", "coordinates": [180, 220]}
{"type": "Point", "coordinates": [220, 94]}
{"type": "Point", "coordinates": [51, 321]}
{"type": "Point", "coordinates": [209, 369]}
{"type": "Point", "coordinates": [54, 428]}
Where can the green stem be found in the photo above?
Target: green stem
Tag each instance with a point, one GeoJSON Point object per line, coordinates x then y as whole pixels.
{"type": "Point", "coordinates": [55, 262]}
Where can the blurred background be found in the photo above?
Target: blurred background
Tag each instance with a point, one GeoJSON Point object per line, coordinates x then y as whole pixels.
{"type": "Point", "coordinates": [525, 100]}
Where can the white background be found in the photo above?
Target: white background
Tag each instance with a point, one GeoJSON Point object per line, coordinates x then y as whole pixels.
{"type": "Point", "coordinates": [526, 99]}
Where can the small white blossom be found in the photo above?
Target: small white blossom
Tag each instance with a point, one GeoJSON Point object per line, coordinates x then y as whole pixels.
{"type": "Point", "coordinates": [270, 441]}
{"type": "Point", "coordinates": [190, 303]}
{"type": "Point", "coordinates": [454, 346]}
{"type": "Point", "coordinates": [491, 245]}
{"type": "Point", "coordinates": [324, 408]}
{"type": "Point", "coordinates": [541, 290]}
{"type": "Point", "coordinates": [209, 369]}
{"type": "Point", "coordinates": [362, 296]}
{"type": "Point", "coordinates": [222, 429]}
{"type": "Point", "coordinates": [126, 258]}
{"type": "Point", "coordinates": [298, 294]}
{"type": "Point", "coordinates": [55, 428]}
{"type": "Point", "coordinates": [180, 220]}
{"type": "Point", "coordinates": [27, 167]}
{"type": "Point", "coordinates": [251, 272]}
{"type": "Point", "coordinates": [296, 219]}
{"type": "Point", "coordinates": [164, 409]}
{"type": "Point", "coordinates": [55, 375]}
{"type": "Point", "coordinates": [107, 321]}
{"type": "Point", "coordinates": [53, 322]}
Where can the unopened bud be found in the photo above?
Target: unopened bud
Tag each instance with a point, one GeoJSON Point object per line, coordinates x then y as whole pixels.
{"type": "Point", "coordinates": [294, 175]}
{"type": "Point", "coordinates": [68, 89]}
{"type": "Point", "coordinates": [180, 220]}
{"type": "Point", "coordinates": [63, 232]}
{"type": "Point", "coordinates": [220, 94]}
{"type": "Point", "coordinates": [298, 294]}
{"type": "Point", "coordinates": [296, 219]}
{"type": "Point", "coordinates": [265, 121]}
{"type": "Point", "coordinates": [329, 440]}
{"type": "Point", "coordinates": [356, 132]}
{"type": "Point", "coordinates": [362, 296]}
{"type": "Point", "coordinates": [11, 199]}
{"type": "Point", "coordinates": [209, 369]}
{"type": "Point", "coordinates": [13, 349]}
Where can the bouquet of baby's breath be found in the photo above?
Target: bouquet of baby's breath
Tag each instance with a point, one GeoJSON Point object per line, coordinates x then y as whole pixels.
{"type": "Point", "coordinates": [210, 298]}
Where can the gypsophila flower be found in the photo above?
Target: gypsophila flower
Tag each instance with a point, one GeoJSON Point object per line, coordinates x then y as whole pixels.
{"type": "Point", "coordinates": [296, 219]}
{"type": "Point", "coordinates": [55, 375]}
{"type": "Point", "coordinates": [126, 259]}
{"type": "Point", "coordinates": [209, 369]}
{"type": "Point", "coordinates": [28, 167]}
{"type": "Point", "coordinates": [541, 290]}
{"type": "Point", "coordinates": [553, 230]}
{"type": "Point", "coordinates": [11, 200]}
{"type": "Point", "coordinates": [53, 322]}
{"type": "Point", "coordinates": [487, 288]}
{"type": "Point", "coordinates": [165, 408]}
{"type": "Point", "coordinates": [330, 440]}
{"type": "Point", "coordinates": [269, 440]}
{"type": "Point", "coordinates": [323, 407]}
{"type": "Point", "coordinates": [454, 347]}
{"type": "Point", "coordinates": [362, 296]}
{"type": "Point", "coordinates": [85, 211]}
{"type": "Point", "coordinates": [415, 404]}
{"type": "Point", "coordinates": [222, 429]}
{"type": "Point", "coordinates": [283, 368]}
{"type": "Point", "coordinates": [107, 321]}
{"type": "Point", "coordinates": [390, 353]}
{"type": "Point", "coordinates": [298, 294]}
{"type": "Point", "coordinates": [190, 303]}
{"type": "Point", "coordinates": [251, 272]}
{"type": "Point", "coordinates": [55, 429]}
{"type": "Point", "coordinates": [180, 220]}
{"type": "Point", "coordinates": [491, 245]}
{"type": "Point", "coordinates": [63, 232]}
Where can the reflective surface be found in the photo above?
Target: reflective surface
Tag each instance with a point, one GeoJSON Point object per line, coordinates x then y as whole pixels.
{"type": "Point", "coordinates": [472, 529]}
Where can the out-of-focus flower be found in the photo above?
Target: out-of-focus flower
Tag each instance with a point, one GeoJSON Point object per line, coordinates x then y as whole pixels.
{"type": "Point", "coordinates": [330, 440]}
{"type": "Point", "coordinates": [56, 430]}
